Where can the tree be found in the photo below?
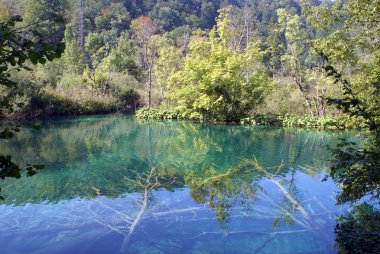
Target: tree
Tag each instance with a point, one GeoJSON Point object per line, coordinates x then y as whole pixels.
{"type": "Point", "coordinates": [114, 17]}
{"type": "Point", "coordinates": [295, 36]}
{"type": "Point", "coordinates": [352, 55]}
{"type": "Point", "coordinates": [121, 58]}
{"type": "Point", "coordinates": [17, 45]}
{"type": "Point", "coordinates": [302, 64]}
{"type": "Point", "coordinates": [98, 74]}
{"type": "Point", "coordinates": [169, 62]}
{"type": "Point", "coordinates": [167, 18]}
{"type": "Point", "coordinates": [358, 231]}
{"type": "Point", "coordinates": [240, 27]}
{"type": "Point", "coordinates": [143, 29]}
{"type": "Point", "coordinates": [219, 82]}
{"type": "Point", "coordinates": [350, 48]}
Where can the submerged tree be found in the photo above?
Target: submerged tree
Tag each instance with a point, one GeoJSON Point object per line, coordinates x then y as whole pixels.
{"type": "Point", "coordinates": [242, 186]}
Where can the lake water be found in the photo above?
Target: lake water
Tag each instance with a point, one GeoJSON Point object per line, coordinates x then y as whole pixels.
{"type": "Point", "coordinates": [113, 184]}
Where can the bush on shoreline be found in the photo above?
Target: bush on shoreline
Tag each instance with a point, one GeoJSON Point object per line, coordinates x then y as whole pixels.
{"type": "Point", "coordinates": [58, 104]}
{"type": "Point", "coordinates": [49, 102]}
{"type": "Point", "coordinates": [157, 113]}
{"type": "Point", "coordinates": [326, 123]}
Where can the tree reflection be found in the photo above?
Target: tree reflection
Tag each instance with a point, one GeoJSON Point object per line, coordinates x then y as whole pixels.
{"type": "Point", "coordinates": [244, 186]}
{"type": "Point", "coordinates": [82, 153]}
{"type": "Point", "coordinates": [239, 188]}
{"type": "Point", "coordinates": [224, 191]}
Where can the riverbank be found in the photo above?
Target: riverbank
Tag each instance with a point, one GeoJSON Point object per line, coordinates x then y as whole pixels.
{"type": "Point", "coordinates": [50, 103]}
{"type": "Point", "coordinates": [53, 105]}
{"type": "Point", "coordinates": [340, 122]}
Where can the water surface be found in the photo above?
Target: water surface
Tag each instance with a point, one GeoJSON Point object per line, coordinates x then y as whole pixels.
{"type": "Point", "coordinates": [112, 184]}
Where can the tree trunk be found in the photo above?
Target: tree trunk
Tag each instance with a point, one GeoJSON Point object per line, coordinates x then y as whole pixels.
{"type": "Point", "coordinates": [81, 27]}
{"type": "Point", "coordinates": [307, 100]}
{"type": "Point", "coordinates": [149, 86]}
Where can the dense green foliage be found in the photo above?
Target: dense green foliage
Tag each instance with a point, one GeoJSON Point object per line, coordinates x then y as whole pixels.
{"type": "Point", "coordinates": [157, 113]}
{"type": "Point", "coordinates": [17, 45]}
{"type": "Point", "coordinates": [217, 81]}
{"type": "Point", "coordinates": [326, 123]}
{"type": "Point", "coordinates": [358, 232]}
{"type": "Point", "coordinates": [352, 54]}
{"type": "Point", "coordinates": [155, 49]}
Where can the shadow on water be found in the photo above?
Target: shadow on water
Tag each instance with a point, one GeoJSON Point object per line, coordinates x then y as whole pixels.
{"type": "Point", "coordinates": [117, 185]}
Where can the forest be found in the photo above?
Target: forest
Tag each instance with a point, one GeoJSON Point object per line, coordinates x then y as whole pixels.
{"type": "Point", "coordinates": [282, 63]}
{"type": "Point", "coordinates": [203, 60]}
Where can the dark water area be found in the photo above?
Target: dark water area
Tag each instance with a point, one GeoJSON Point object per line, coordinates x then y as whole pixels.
{"type": "Point", "coordinates": [113, 184]}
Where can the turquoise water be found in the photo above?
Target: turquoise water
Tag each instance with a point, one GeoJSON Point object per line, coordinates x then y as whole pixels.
{"type": "Point", "coordinates": [112, 184]}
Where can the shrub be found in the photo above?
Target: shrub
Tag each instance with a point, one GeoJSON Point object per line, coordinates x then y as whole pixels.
{"type": "Point", "coordinates": [326, 123]}
{"type": "Point", "coordinates": [53, 103]}
{"type": "Point", "coordinates": [129, 100]}
{"type": "Point", "coordinates": [157, 113]}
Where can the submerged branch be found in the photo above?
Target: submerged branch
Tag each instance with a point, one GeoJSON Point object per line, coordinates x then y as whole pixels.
{"type": "Point", "coordinates": [149, 186]}
{"type": "Point", "coordinates": [216, 179]}
{"type": "Point", "coordinates": [314, 226]}
{"type": "Point", "coordinates": [225, 234]}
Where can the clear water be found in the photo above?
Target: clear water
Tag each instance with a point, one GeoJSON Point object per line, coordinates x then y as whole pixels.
{"type": "Point", "coordinates": [113, 184]}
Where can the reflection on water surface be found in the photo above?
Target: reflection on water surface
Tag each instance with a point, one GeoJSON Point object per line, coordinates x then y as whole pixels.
{"type": "Point", "coordinates": [113, 184]}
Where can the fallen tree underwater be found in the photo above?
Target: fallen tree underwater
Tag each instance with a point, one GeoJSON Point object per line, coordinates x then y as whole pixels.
{"type": "Point", "coordinates": [313, 225]}
{"type": "Point", "coordinates": [148, 186]}
{"type": "Point", "coordinates": [144, 181]}
{"type": "Point", "coordinates": [127, 223]}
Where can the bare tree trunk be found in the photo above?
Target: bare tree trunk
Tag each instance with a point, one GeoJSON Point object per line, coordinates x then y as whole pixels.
{"type": "Point", "coordinates": [307, 100]}
{"type": "Point", "coordinates": [162, 93]}
{"type": "Point", "coordinates": [144, 29]}
{"type": "Point", "coordinates": [308, 106]}
{"type": "Point", "coordinates": [316, 105]}
{"type": "Point", "coordinates": [246, 24]}
{"type": "Point", "coordinates": [149, 86]}
{"type": "Point", "coordinates": [107, 84]}
{"type": "Point", "coordinates": [82, 29]}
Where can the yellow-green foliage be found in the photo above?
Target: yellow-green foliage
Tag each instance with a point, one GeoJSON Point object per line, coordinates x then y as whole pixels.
{"type": "Point", "coordinates": [157, 113]}
{"type": "Point", "coordinates": [218, 82]}
{"type": "Point", "coordinates": [327, 123]}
